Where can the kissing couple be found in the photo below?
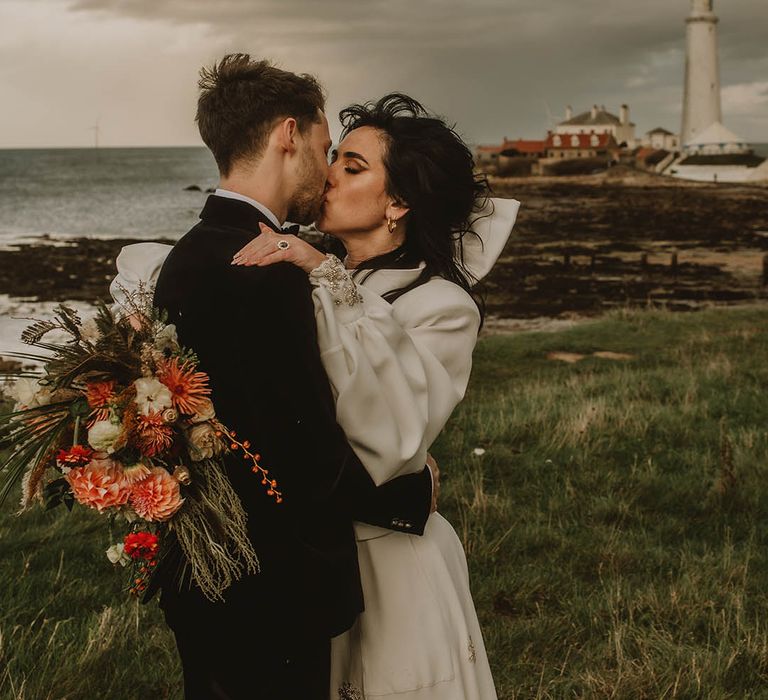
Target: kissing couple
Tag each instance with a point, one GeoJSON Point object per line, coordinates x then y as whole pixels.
{"type": "Point", "coordinates": [341, 367]}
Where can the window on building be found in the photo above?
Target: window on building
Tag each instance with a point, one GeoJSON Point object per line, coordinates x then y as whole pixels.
{"type": "Point", "coordinates": [557, 141]}
{"type": "Point", "coordinates": [574, 140]}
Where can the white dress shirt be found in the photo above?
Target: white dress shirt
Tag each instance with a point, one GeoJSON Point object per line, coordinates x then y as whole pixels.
{"type": "Point", "coordinates": [264, 210]}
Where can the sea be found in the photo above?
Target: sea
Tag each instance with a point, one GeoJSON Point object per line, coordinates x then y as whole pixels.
{"type": "Point", "coordinates": [102, 192]}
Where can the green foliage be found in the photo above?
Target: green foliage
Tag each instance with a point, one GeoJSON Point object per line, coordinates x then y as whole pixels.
{"type": "Point", "coordinates": [614, 528]}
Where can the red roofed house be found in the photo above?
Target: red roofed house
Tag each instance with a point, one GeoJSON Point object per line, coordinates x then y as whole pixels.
{"type": "Point", "coordinates": [582, 146]}
{"type": "Point", "coordinates": [526, 149]}
{"type": "Point", "coordinates": [496, 155]}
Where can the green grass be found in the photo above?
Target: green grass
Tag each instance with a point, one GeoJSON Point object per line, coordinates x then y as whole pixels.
{"type": "Point", "coordinates": [615, 528]}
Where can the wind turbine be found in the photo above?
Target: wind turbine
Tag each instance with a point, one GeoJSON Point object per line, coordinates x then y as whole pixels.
{"type": "Point", "coordinates": [95, 130]}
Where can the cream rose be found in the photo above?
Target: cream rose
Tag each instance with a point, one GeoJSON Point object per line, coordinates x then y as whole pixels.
{"type": "Point", "coordinates": [203, 442]}
{"type": "Point", "coordinates": [204, 414]}
{"type": "Point", "coordinates": [102, 436]}
{"type": "Point", "coordinates": [152, 395]}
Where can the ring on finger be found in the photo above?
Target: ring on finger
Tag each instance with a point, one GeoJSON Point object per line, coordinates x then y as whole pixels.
{"type": "Point", "coordinates": [283, 245]}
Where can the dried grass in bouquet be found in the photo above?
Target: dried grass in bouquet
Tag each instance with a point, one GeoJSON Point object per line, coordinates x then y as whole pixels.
{"type": "Point", "coordinates": [119, 419]}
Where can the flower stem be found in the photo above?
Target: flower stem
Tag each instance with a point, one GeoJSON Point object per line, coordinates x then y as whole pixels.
{"type": "Point", "coordinates": [76, 438]}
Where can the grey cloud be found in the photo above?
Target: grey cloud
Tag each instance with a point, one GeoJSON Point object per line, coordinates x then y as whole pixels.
{"type": "Point", "coordinates": [495, 66]}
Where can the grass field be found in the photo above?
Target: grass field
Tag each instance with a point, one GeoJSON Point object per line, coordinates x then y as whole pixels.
{"type": "Point", "coordinates": [615, 527]}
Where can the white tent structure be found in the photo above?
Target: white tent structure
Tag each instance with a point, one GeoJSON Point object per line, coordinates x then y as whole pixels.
{"type": "Point", "coordinates": [716, 139]}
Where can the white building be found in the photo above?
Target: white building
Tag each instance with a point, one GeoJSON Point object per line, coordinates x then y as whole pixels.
{"type": "Point", "coordinates": [701, 101]}
{"type": "Point", "coordinates": [599, 121]}
{"type": "Point", "coordinates": [662, 140]}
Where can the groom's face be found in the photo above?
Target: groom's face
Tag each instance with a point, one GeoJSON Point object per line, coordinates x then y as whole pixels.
{"type": "Point", "coordinates": [312, 173]}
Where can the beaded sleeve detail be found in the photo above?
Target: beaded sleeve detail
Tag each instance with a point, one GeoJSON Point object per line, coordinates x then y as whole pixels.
{"type": "Point", "coordinates": [332, 274]}
{"type": "Point", "coordinates": [347, 691]}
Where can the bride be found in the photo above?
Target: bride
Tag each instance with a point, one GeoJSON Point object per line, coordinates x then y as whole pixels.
{"type": "Point", "coordinates": [396, 325]}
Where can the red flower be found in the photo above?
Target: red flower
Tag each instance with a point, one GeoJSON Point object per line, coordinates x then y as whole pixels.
{"type": "Point", "coordinates": [75, 456]}
{"type": "Point", "coordinates": [141, 545]}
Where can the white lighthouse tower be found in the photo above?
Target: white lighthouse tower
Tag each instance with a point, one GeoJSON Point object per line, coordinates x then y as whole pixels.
{"type": "Point", "coordinates": [701, 104]}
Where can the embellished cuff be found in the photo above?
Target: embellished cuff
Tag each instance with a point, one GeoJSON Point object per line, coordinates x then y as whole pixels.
{"type": "Point", "coordinates": [333, 276]}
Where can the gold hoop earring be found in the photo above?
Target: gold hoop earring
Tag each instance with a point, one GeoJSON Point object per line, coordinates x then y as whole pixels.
{"type": "Point", "coordinates": [391, 225]}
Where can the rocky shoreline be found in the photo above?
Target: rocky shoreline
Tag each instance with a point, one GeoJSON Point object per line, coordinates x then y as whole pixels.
{"type": "Point", "coordinates": [582, 245]}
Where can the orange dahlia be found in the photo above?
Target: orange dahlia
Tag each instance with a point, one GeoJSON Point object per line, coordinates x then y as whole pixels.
{"type": "Point", "coordinates": [157, 497]}
{"type": "Point", "coordinates": [98, 395]}
{"type": "Point", "coordinates": [98, 485]}
{"type": "Point", "coordinates": [152, 434]}
{"type": "Point", "coordinates": [189, 389]}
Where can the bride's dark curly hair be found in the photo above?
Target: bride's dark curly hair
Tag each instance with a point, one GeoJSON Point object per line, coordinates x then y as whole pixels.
{"type": "Point", "coordinates": [431, 170]}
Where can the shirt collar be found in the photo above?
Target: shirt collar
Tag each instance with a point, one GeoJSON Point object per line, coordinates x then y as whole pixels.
{"type": "Point", "coordinates": [264, 210]}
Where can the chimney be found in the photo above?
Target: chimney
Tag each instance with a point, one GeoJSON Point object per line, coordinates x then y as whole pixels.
{"type": "Point", "coordinates": [624, 114]}
{"type": "Point", "coordinates": [568, 113]}
{"type": "Point", "coordinates": [593, 114]}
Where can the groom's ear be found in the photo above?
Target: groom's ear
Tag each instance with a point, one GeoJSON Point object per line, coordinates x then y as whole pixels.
{"type": "Point", "coordinates": [286, 133]}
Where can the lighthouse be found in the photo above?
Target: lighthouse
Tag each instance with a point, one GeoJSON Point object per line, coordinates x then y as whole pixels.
{"type": "Point", "coordinates": [701, 104]}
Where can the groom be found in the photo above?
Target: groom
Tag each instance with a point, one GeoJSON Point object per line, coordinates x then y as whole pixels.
{"type": "Point", "coordinates": [253, 330]}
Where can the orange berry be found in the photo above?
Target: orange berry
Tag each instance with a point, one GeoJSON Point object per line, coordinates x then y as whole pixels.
{"type": "Point", "coordinates": [246, 444]}
{"type": "Point", "coordinates": [257, 457]}
{"type": "Point", "coordinates": [279, 499]}
{"type": "Point", "coordinates": [233, 446]}
{"type": "Point", "coordinates": [273, 482]}
{"type": "Point", "coordinates": [270, 492]}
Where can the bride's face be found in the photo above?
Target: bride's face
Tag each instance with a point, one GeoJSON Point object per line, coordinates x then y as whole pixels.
{"type": "Point", "coordinates": [356, 199]}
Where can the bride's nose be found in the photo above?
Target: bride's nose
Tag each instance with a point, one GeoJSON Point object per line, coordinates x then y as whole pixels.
{"type": "Point", "coordinates": [331, 179]}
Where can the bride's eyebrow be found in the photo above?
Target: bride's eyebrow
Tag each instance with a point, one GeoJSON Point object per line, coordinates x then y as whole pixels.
{"type": "Point", "coordinates": [356, 156]}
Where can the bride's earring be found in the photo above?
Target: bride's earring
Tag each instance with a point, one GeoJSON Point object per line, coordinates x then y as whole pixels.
{"type": "Point", "coordinates": [391, 225]}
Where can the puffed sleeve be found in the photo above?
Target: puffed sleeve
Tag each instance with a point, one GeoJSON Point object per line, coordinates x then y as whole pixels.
{"type": "Point", "coordinates": [397, 371]}
{"type": "Point", "coordinates": [137, 264]}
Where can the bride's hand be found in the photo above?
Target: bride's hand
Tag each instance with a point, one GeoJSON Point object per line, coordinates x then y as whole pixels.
{"type": "Point", "coordinates": [271, 247]}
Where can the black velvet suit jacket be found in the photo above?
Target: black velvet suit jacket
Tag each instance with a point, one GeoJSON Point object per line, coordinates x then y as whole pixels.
{"type": "Point", "coordinates": [254, 332]}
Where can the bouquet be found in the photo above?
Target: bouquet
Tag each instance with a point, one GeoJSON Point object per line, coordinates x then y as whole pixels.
{"type": "Point", "coordinates": [119, 419]}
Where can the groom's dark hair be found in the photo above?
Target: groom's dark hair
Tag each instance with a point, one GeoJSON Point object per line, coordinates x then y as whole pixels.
{"type": "Point", "coordinates": [241, 100]}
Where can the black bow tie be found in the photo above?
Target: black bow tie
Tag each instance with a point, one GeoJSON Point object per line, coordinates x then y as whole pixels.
{"type": "Point", "coordinates": [292, 229]}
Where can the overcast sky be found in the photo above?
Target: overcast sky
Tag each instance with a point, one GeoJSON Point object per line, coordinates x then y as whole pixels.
{"type": "Point", "coordinates": [494, 67]}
